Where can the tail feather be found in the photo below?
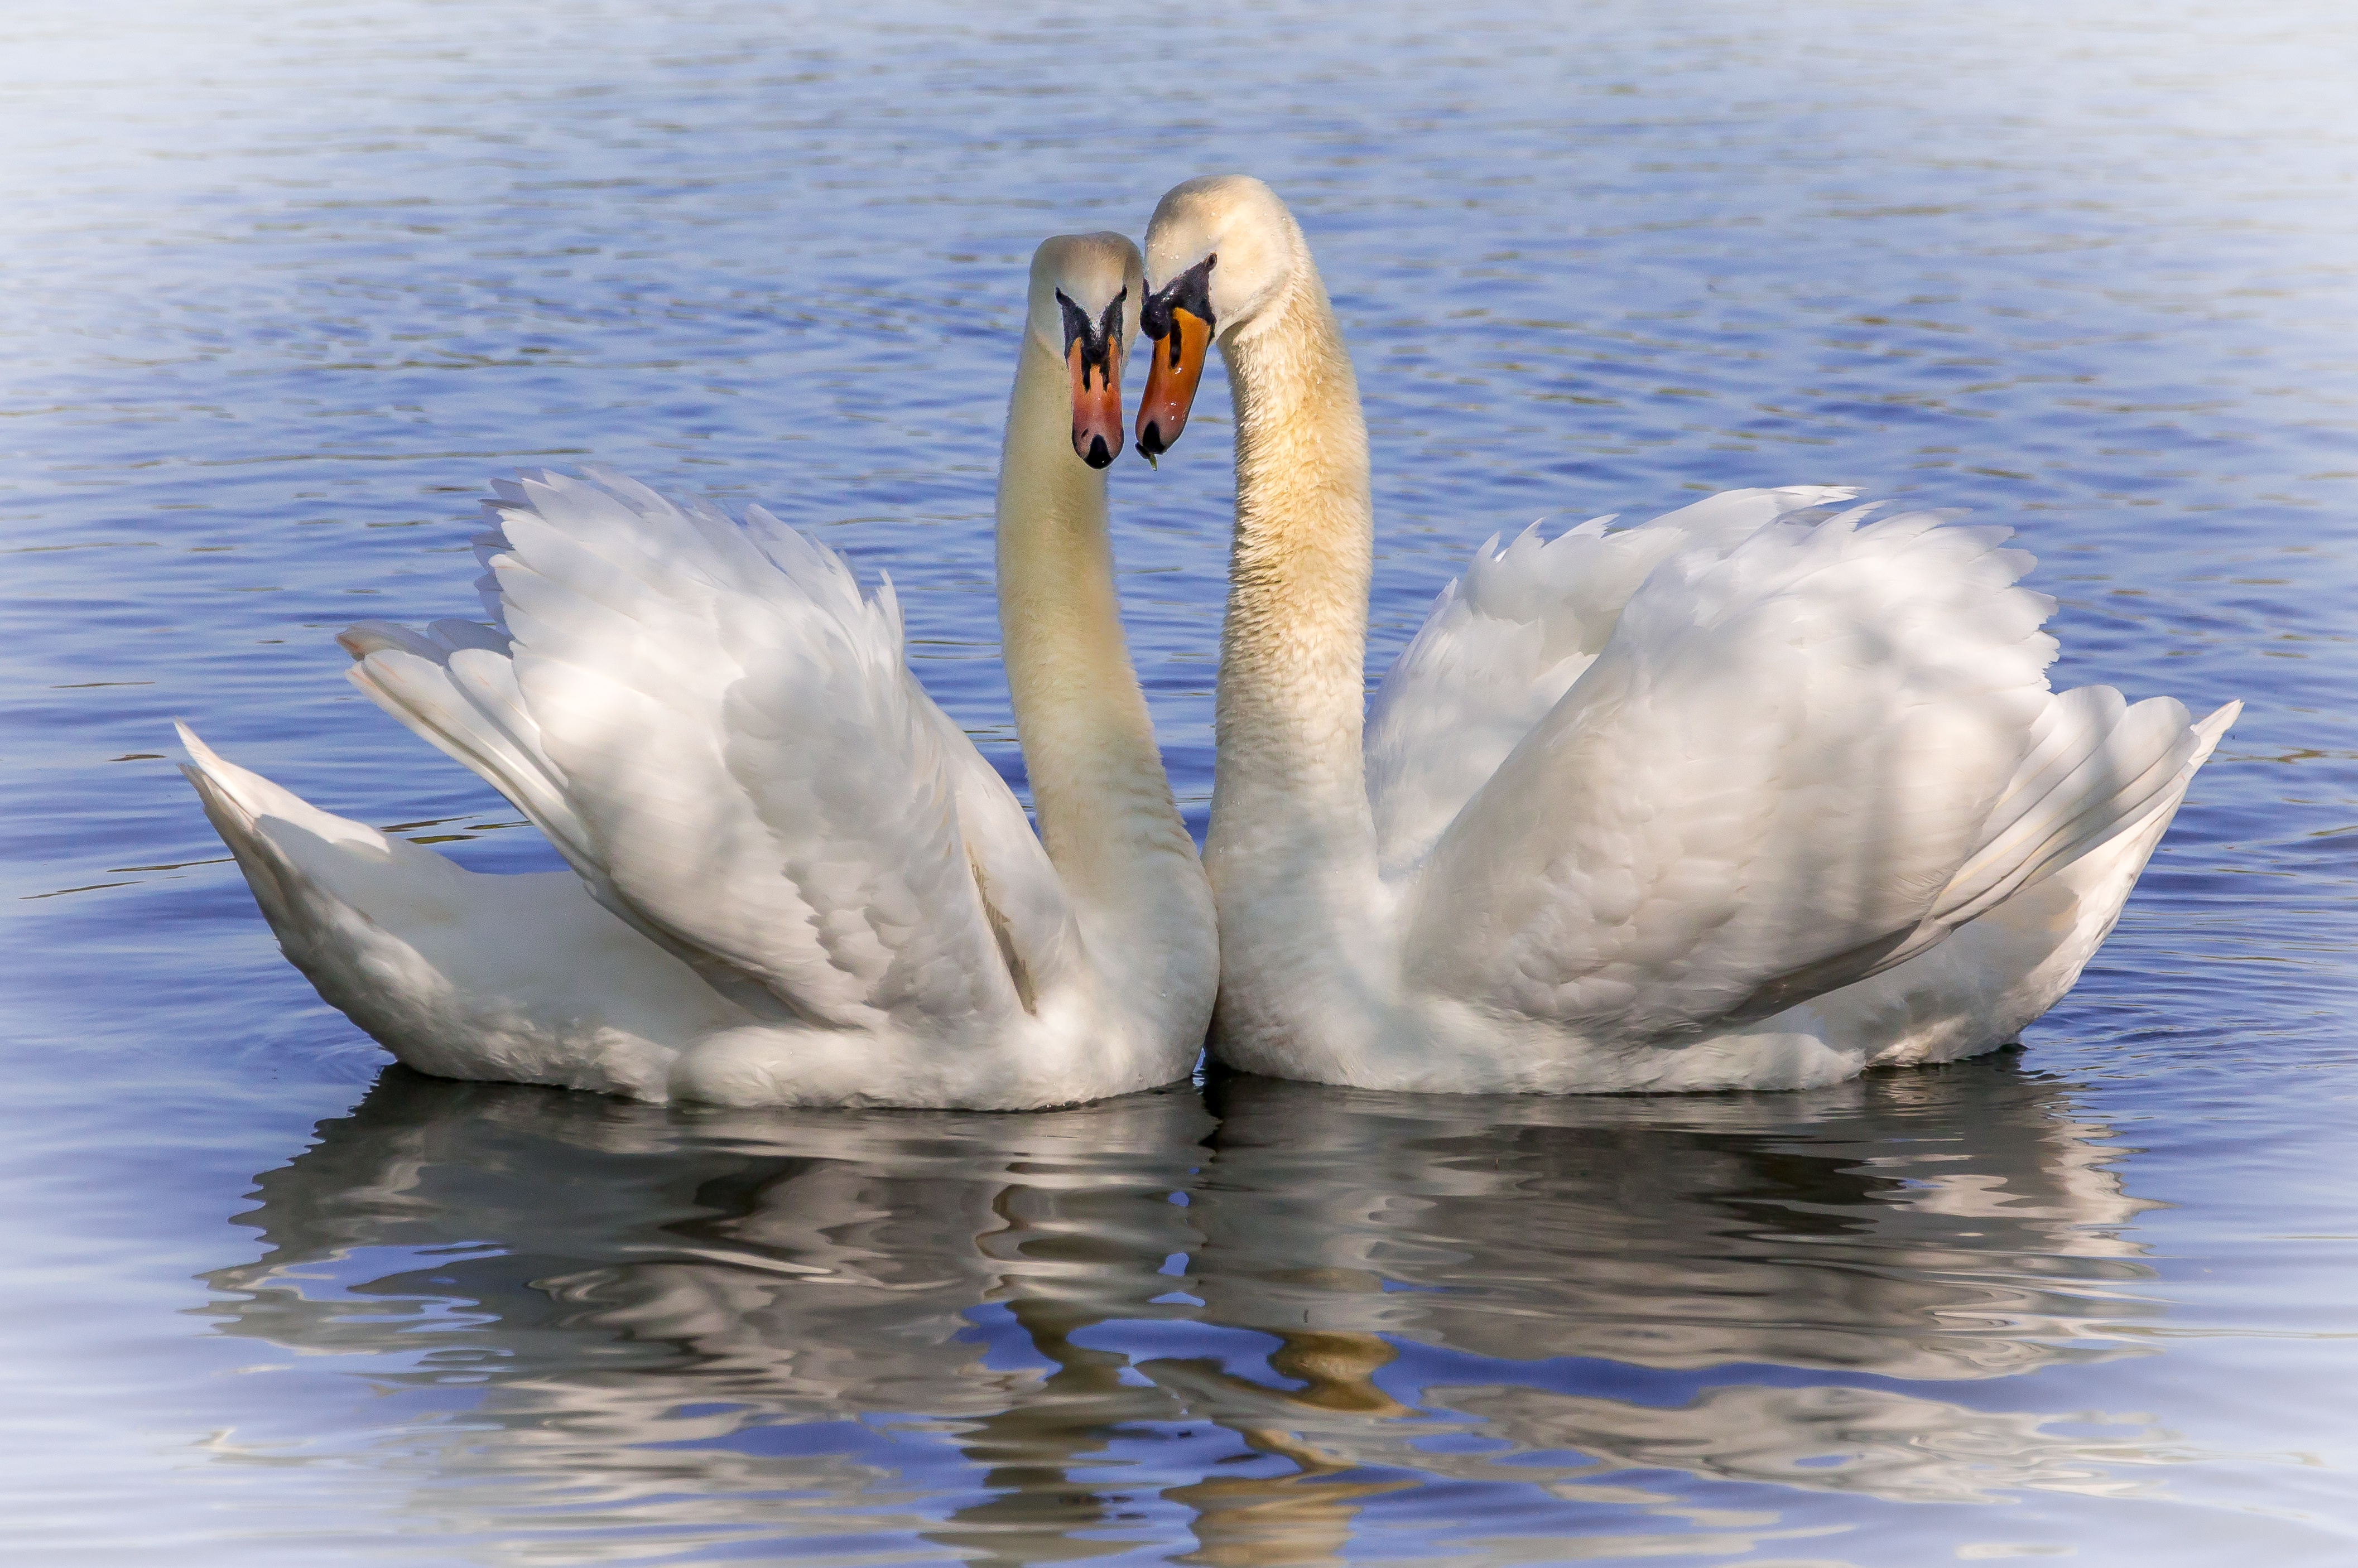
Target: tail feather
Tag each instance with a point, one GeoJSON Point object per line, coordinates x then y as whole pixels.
{"type": "Point", "coordinates": [232, 810]}
{"type": "Point", "coordinates": [2097, 769]}
{"type": "Point", "coordinates": [237, 800]}
{"type": "Point", "coordinates": [520, 978]}
{"type": "Point", "coordinates": [2209, 731]}
{"type": "Point", "coordinates": [334, 890]}
{"type": "Point", "coordinates": [1978, 990]}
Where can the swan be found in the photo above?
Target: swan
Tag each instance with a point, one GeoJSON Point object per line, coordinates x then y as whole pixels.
{"type": "Point", "coordinates": [795, 881]}
{"type": "Point", "coordinates": [1755, 794]}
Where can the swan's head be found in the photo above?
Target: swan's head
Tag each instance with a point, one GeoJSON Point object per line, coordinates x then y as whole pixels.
{"type": "Point", "coordinates": [1085, 293]}
{"type": "Point", "coordinates": [1219, 252]}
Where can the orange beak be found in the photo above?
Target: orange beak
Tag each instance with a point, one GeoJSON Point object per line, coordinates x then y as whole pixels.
{"type": "Point", "coordinates": [1093, 354]}
{"type": "Point", "coordinates": [1097, 406]}
{"type": "Point", "coordinates": [1175, 370]}
{"type": "Point", "coordinates": [1178, 318]}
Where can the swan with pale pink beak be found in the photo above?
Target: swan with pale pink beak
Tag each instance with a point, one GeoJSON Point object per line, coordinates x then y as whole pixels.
{"type": "Point", "coordinates": [794, 879]}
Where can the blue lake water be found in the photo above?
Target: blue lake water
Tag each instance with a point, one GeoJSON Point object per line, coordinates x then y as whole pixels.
{"type": "Point", "coordinates": [285, 282]}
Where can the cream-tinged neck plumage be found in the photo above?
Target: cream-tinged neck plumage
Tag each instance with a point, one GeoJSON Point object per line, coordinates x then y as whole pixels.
{"type": "Point", "coordinates": [1306, 942]}
{"type": "Point", "coordinates": [1104, 802]}
{"type": "Point", "coordinates": [1293, 685]}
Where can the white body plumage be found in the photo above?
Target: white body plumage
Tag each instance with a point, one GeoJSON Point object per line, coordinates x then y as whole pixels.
{"type": "Point", "coordinates": [1753, 796]}
{"type": "Point", "coordinates": [794, 880]}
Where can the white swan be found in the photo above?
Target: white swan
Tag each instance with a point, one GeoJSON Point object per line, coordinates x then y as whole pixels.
{"type": "Point", "coordinates": [799, 881]}
{"type": "Point", "coordinates": [1756, 794]}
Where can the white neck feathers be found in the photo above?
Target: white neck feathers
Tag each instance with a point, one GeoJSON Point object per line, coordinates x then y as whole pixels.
{"type": "Point", "coordinates": [1098, 782]}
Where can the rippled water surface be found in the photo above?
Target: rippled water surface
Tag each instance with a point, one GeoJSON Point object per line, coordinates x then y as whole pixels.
{"type": "Point", "coordinates": [286, 282]}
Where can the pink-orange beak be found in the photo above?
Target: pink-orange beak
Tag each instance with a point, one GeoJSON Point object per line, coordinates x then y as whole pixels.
{"type": "Point", "coordinates": [1093, 355]}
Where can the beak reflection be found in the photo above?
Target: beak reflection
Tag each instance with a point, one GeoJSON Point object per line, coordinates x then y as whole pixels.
{"type": "Point", "coordinates": [1093, 355]}
{"type": "Point", "coordinates": [1178, 318]}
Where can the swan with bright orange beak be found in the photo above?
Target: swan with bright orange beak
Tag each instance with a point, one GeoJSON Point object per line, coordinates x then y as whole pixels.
{"type": "Point", "coordinates": [1589, 834]}
{"type": "Point", "coordinates": [1211, 278]}
{"type": "Point", "coordinates": [1178, 320]}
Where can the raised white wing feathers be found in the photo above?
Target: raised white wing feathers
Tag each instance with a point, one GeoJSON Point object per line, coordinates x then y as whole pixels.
{"type": "Point", "coordinates": [1505, 641]}
{"type": "Point", "coordinates": [1793, 763]}
{"type": "Point", "coordinates": [721, 735]}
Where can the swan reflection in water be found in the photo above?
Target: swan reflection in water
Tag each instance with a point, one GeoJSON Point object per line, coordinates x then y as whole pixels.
{"type": "Point", "coordinates": [1271, 1326]}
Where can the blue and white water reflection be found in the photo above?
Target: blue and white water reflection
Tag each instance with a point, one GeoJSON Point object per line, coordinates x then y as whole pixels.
{"type": "Point", "coordinates": [286, 280]}
{"type": "Point", "coordinates": [1556, 1317]}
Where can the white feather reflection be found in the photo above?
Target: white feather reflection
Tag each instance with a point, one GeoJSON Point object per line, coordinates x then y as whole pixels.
{"type": "Point", "coordinates": [1930, 1226]}
{"type": "Point", "coordinates": [963, 1326]}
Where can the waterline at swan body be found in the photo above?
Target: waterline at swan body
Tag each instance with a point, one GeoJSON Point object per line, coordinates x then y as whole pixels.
{"type": "Point", "coordinates": [794, 880]}
{"type": "Point", "coordinates": [1754, 795]}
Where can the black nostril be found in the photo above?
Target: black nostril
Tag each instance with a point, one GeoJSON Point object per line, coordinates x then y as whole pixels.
{"type": "Point", "coordinates": [1098, 456]}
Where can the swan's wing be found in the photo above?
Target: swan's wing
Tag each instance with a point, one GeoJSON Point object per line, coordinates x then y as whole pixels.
{"type": "Point", "coordinates": [1505, 641]}
{"type": "Point", "coordinates": [1023, 897]}
{"type": "Point", "coordinates": [1790, 767]}
{"type": "Point", "coordinates": [1977, 989]}
{"type": "Point", "coordinates": [722, 736]}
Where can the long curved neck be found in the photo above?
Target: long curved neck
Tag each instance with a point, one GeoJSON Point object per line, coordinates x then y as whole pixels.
{"type": "Point", "coordinates": [1104, 801]}
{"type": "Point", "coordinates": [1293, 687]}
